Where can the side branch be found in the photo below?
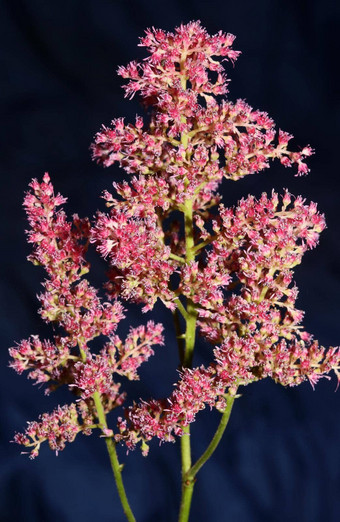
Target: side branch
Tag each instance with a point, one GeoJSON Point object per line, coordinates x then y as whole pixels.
{"type": "Point", "coordinates": [188, 478]}
{"type": "Point", "coordinates": [214, 442]}
{"type": "Point", "coordinates": [203, 244]}
{"type": "Point", "coordinates": [111, 449]}
{"type": "Point", "coordinates": [181, 308]}
{"type": "Point", "coordinates": [116, 466]}
{"type": "Point", "coordinates": [176, 258]}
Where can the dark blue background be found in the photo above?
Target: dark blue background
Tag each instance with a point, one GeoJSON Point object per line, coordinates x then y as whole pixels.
{"type": "Point", "coordinates": [280, 458]}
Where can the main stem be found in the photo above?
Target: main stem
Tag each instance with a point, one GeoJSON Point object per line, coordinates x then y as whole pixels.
{"type": "Point", "coordinates": [111, 448]}
{"type": "Point", "coordinates": [190, 332]}
{"type": "Point", "coordinates": [188, 479]}
{"type": "Point", "coordinates": [190, 316]}
{"type": "Point", "coordinates": [190, 471]}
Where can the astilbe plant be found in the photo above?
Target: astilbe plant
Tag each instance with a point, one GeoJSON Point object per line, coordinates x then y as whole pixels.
{"type": "Point", "coordinates": [227, 272]}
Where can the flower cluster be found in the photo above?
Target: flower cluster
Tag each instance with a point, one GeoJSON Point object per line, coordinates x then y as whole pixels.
{"type": "Point", "coordinates": [129, 355]}
{"type": "Point", "coordinates": [72, 303]}
{"type": "Point", "coordinates": [253, 249]}
{"type": "Point", "coordinates": [238, 361]}
{"type": "Point", "coordinates": [167, 237]}
{"type": "Point", "coordinates": [190, 49]}
{"type": "Point", "coordinates": [57, 428]}
{"type": "Point", "coordinates": [239, 271]}
{"type": "Point", "coordinates": [176, 81]}
{"type": "Point", "coordinates": [166, 418]}
{"type": "Point", "coordinates": [136, 249]}
{"type": "Point", "coordinates": [258, 243]}
{"type": "Point", "coordinates": [59, 246]}
{"type": "Point", "coordinates": [43, 360]}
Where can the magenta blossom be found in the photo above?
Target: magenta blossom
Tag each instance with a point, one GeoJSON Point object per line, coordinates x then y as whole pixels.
{"type": "Point", "coordinates": [167, 238]}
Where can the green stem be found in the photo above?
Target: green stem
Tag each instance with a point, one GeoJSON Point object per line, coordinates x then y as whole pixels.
{"type": "Point", "coordinates": [176, 258]}
{"type": "Point", "coordinates": [117, 471]}
{"type": "Point", "coordinates": [189, 478]}
{"type": "Point", "coordinates": [190, 333]}
{"type": "Point", "coordinates": [111, 448]}
{"type": "Point", "coordinates": [179, 336]}
{"type": "Point", "coordinates": [214, 441]}
{"type": "Point", "coordinates": [190, 471]}
{"type": "Point", "coordinates": [190, 310]}
{"type": "Point", "coordinates": [204, 244]}
{"type": "Point", "coordinates": [188, 229]}
{"type": "Point", "coordinates": [115, 465]}
{"type": "Point", "coordinates": [181, 308]}
{"type": "Point", "coordinates": [187, 485]}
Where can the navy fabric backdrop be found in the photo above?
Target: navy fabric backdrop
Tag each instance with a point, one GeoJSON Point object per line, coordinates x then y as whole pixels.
{"type": "Point", "coordinates": [280, 458]}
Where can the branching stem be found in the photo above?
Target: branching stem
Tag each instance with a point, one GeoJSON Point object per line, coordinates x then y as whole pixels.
{"type": "Point", "coordinates": [111, 448]}
{"type": "Point", "coordinates": [214, 441]}
{"type": "Point", "coordinates": [181, 308]}
{"type": "Point", "coordinates": [115, 465]}
{"type": "Point", "coordinates": [189, 478]}
{"type": "Point", "coordinates": [176, 258]}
